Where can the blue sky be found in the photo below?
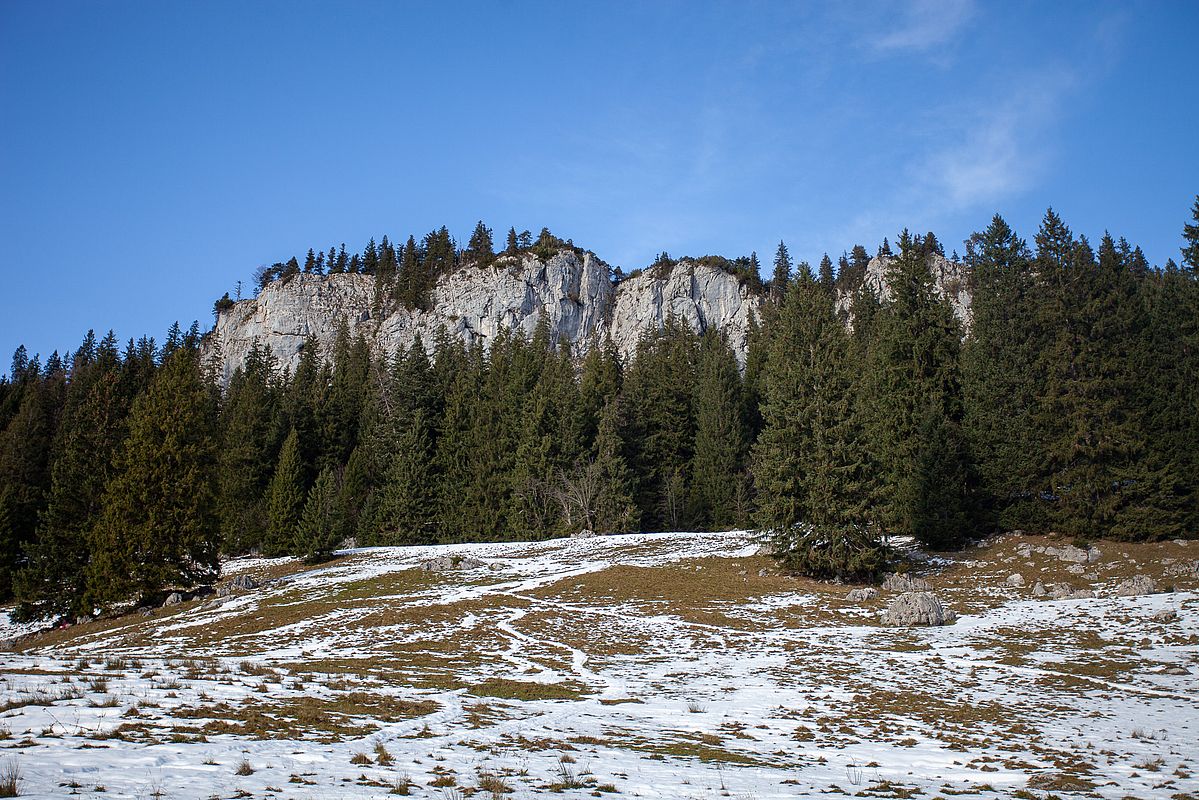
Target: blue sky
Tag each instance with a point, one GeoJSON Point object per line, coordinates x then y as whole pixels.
{"type": "Point", "coordinates": [153, 154]}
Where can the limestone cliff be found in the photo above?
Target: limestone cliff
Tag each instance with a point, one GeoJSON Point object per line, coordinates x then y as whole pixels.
{"type": "Point", "coordinates": [575, 293]}
{"type": "Point", "coordinates": [950, 282]}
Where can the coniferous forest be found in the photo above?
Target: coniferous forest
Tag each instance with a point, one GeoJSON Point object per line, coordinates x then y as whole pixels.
{"type": "Point", "coordinates": [1071, 405]}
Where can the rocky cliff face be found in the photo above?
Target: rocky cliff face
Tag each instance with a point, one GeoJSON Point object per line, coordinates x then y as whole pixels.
{"type": "Point", "coordinates": [950, 282]}
{"type": "Point", "coordinates": [575, 294]}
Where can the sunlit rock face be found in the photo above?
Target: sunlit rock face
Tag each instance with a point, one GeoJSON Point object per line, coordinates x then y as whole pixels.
{"type": "Point", "coordinates": [950, 282]}
{"type": "Point", "coordinates": [574, 292]}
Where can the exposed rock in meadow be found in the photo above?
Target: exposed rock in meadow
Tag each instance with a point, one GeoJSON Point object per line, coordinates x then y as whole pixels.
{"type": "Point", "coordinates": [917, 608]}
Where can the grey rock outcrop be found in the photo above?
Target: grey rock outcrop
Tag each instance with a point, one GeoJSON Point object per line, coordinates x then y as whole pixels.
{"type": "Point", "coordinates": [950, 282]}
{"type": "Point", "coordinates": [917, 608]}
{"type": "Point", "coordinates": [573, 292]}
{"type": "Point", "coordinates": [1062, 591]}
{"type": "Point", "coordinates": [1136, 586]}
{"type": "Point", "coordinates": [1015, 580]}
{"type": "Point", "coordinates": [445, 563]}
{"type": "Point", "coordinates": [173, 599]}
{"type": "Point", "coordinates": [699, 295]}
{"type": "Point", "coordinates": [905, 583]}
{"type": "Point", "coordinates": [861, 595]}
{"type": "Point", "coordinates": [244, 582]}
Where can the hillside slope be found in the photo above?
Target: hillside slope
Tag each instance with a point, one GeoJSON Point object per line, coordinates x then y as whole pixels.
{"type": "Point", "coordinates": [675, 665]}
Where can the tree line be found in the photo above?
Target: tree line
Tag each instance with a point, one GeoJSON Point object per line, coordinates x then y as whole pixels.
{"type": "Point", "coordinates": [1071, 406]}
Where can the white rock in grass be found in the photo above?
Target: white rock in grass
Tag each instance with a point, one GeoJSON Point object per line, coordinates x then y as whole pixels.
{"type": "Point", "coordinates": [1038, 590]}
{"type": "Point", "coordinates": [1134, 587]}
{"type": "Point", "coordinates": [174, 598]}
{"type": "Point", "coordinates": [904, 583]}
{"type": "Point", "coordinates": [1016, 580]}
{"type": "Point", "coordinates": [1063, 591]}
{"type": "Point", "coordinates": [1072, 553]}
{"type": "Point", "coordinates": [861, 595]}
{"type": "Point", "coordinates": [917, 608]}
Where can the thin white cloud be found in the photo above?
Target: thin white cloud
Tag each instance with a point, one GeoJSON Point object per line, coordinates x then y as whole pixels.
{"type": "Point", "coordinates": [1001, 151]}
{"type": "Point", "coordinates": [923, 25]}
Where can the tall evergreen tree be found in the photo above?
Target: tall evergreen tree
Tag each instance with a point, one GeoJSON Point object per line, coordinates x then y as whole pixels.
{"type": "Point", "coordinates": [319, 530]}
{"type": "Point", "coordinates": [811, 459]}
{"type": "Point", "coordinates": [407, 506]}
{"type": "Point", "coordinates": [718, 484]}
{"type": "Point", "coordinates": [1000, 376]}
{"type": "Point", "coordinates": [913, 390]}
{"type": "Point", "coordinates": [286, 496]}
{"type": "Point", "coordinates": [52, 582]}
{"type": "Point", "coordinates": [480, 247]}
{"type": "Point", "coordinates": [781, 277]}
{"type": "Point", "coordinates": [250, 434]}
{"type": "Point", "coordinates": [158, 526]}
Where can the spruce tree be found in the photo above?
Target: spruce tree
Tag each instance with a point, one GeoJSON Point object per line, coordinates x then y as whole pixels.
{"type": "Point", "coordinates": [407, 506]}
{"type": "Point", "coordinates": [1190, 234]}
{"type": "Point", "coordinates": [811, 459]}
{"type": "Point", "coordinates": [319, 530]}
{"type": "Point", "coordinates": [158, 525]}
{"type": "Point", "coordinates": [52, 581]}
{"type": "Point", "coordinates": [286, 496]}
{"type": "Point", "coordinates": [615, 511]}
{"type": "Point", "coordinates": [781, 277]}
{"type": "Point", "coordinates": [480, 247]}
{"type": "Point", "coordinates": [660, 428]}
{"type": "Point", "coordinates": [249, 423]}
{"type": "Point", "coordinates": [721, 443]}
{"type": "Point", "coordinates": [1000, 376]}
{"type": "Point", "coordinates": [912, 375]}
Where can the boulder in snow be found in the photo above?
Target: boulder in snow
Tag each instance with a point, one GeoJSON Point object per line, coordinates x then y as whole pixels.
{"type": "Point", "coordinates": [445, 563]}
{"type": "Point", "coordinates": [917, 608]}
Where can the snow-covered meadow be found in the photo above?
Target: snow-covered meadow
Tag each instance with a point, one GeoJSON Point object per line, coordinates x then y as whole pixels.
{"type": "Point", "coordinates": [657, 666]}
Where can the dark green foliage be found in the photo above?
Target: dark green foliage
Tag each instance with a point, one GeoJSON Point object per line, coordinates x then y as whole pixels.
{"type": "Point", "coordinates": [811, 460]}
{"type": "Point", "coordinates": [480, 248]}
{"type": "Point", "coordinates": [1073, 405]}
{"type": "Point", "coordinates": [719, 485]}
{"type": "Point", "coordinates": [1001, 387]}
{"type": "Point", "coordinates": [780, 279]}
{"type": "Point", "coordinates": [285, 501]}
{"type": "Point", "coordinates": [851, 552]}
{"type": "Point", "coordinates": [158, 525]}
{"type": "Point", "coordinates": [92, 427]}
{"type": "Point", "coordinates": [911, 381]}
{"type": "Point", "coordinates": [614, 509]}
{"type": "Point", "coordinates": [1190, 234]}
{"type": "Point", "coordinates": [320, 530]}
{"type": "Point", "coordinates": [660, 432]}
{"type": "Point", "coordinates": [249, 445]}
{"type": "Point", "coordinates": [407, 500]}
